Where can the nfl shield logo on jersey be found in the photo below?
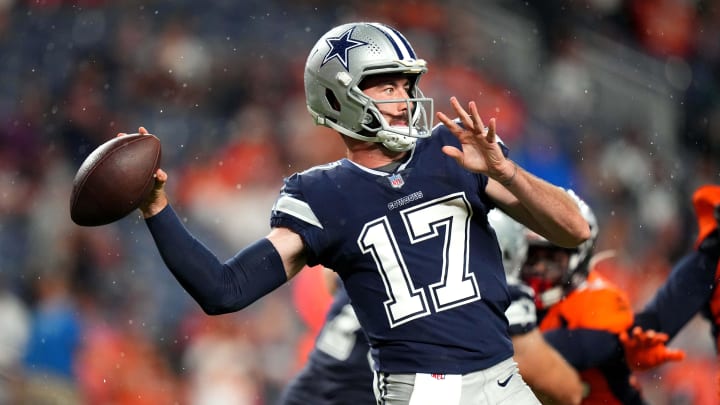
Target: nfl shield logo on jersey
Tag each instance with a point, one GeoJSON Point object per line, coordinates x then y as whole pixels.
{"type": "Point", "coordinates": [396, 180]}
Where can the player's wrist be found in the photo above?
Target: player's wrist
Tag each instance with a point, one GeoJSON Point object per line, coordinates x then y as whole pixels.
{"type": "Point", "coordinates": [507, 178]}
{"type": "Point", "coordinates": [154, 208]}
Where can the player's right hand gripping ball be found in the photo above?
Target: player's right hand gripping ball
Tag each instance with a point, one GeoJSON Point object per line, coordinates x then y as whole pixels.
{"type": "Point", "coordinates": [114, 179]}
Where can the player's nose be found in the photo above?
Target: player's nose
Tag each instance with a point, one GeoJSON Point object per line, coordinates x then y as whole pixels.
{"type": "Point", "coordinates": [402, 106]}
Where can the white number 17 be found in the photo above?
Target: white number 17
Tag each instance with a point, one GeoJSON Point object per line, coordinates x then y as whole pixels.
{"type": "Point", "coordinates": [457, 286]}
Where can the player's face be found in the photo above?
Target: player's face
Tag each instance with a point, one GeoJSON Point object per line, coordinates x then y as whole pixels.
{"type": "Point", "coordinates": [389, 87]}
{"type": "Point", "coordinates": [545, 263]}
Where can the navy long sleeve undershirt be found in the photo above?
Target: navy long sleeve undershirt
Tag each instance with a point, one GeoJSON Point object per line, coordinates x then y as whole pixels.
{"type": "Point", "coordinates": [687, 289]}
{"type": "Point", "coordinates": [218, 287]}
{"type": "Point", "coordinates": [584, 348]}
{"type": "Point", "coordinates": [597, 349]}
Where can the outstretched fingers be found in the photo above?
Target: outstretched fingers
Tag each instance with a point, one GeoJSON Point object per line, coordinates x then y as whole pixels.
{"type": "Point", "coordinates": [160, 177]}
{"type": "Point", "coordinates": [464, 117]}
{"type": "Point", "coordinates": [454, 153]}
{"type": "Point", "coordinates": [477, 125]}
{"type": "Point", "coordinates": [141, 131]}
{"type": "Point", "coordinates": [645, 349]}
{"type": "Point", "coordinates": [471, 121]}
{"type": "Point", "coordinates": [490, 137]}
{"type": "Point", "coordinates": [467, 121]}
{"type": "Point", "coordinates": [451, 124]}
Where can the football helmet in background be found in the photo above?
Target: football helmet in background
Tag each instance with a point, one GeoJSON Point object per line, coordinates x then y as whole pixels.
{"type": "Point", "coordinates": [556, 281]}
{"type": "Point", "coordinates": [340, 60]}
{"type": "Point", "coordinates": [513, 244]}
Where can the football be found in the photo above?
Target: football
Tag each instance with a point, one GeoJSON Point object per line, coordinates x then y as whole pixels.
{"type": "Point", "coordinates": [114, 179]}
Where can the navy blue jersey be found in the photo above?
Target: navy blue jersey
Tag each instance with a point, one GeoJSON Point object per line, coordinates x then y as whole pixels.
{"type": "Point", "coordinates": [521, 314]}
{"type": "Point", "coordinates": [417, 256]}
{"type": "Point", "coordinates": [338, 368]}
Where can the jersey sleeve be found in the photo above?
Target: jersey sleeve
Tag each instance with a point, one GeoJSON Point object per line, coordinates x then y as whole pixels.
{"type": "Point", "coordinates": [521, 314]}
{"type": "Point", "coordinates": [293, 211]}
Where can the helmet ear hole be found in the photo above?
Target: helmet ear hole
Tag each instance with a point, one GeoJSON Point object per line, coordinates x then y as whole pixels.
{"type": "Point", "coordinates": [332, 100]}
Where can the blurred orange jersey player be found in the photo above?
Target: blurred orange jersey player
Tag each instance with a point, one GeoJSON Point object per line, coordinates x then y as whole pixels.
{"type": "Point", "coordinates": [583, 315]}
{"type": "Point", "coordinates": [586, 325]}
{"type": "Point", "coordinates": [692, 286]}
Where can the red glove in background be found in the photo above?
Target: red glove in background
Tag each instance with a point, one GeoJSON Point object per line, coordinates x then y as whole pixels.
{"type": "Point", "coordinates": [645, 349]}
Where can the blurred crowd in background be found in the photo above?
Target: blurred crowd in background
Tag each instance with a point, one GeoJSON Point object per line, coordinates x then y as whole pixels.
{"type": "Point", "coordinates": [618, 100]}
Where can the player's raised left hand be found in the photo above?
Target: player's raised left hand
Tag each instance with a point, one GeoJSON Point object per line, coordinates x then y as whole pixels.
{"type": "Point", "coordinates": [480, 150]}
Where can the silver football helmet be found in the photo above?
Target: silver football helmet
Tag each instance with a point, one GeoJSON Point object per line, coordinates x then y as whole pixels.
{"type": "Point", "coordinates": [513, 244]}
{"type": "Point", "coordinates": [576, 271]}
{"type": "Point", "coordinates": [337, 64]}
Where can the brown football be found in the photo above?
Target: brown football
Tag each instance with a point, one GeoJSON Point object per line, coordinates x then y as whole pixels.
{"type": "Point", "coordinates": [114, 179]}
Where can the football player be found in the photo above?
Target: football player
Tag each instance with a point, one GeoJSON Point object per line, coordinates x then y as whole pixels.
{"type": "Point", "coordinates": [691, 286]}
{"type": "Point", "coordinates": [542, 367]}
{"type": "Point", "coordinates": [338, 371]}
{"type": "Point", "coordinates": [583, 315]}
{"type": "Point", "coordinates": [403, 221]}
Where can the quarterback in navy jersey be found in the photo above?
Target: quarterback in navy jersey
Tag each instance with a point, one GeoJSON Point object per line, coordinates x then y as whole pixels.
{"type": "Point", "coordinates": [402, 219]}
{"type": "Point", "coordinates": [394, 311]}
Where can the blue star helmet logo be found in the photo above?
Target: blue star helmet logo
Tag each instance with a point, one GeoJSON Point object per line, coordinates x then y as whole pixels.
{"type": "Point", "coordinates": [339, 47]}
